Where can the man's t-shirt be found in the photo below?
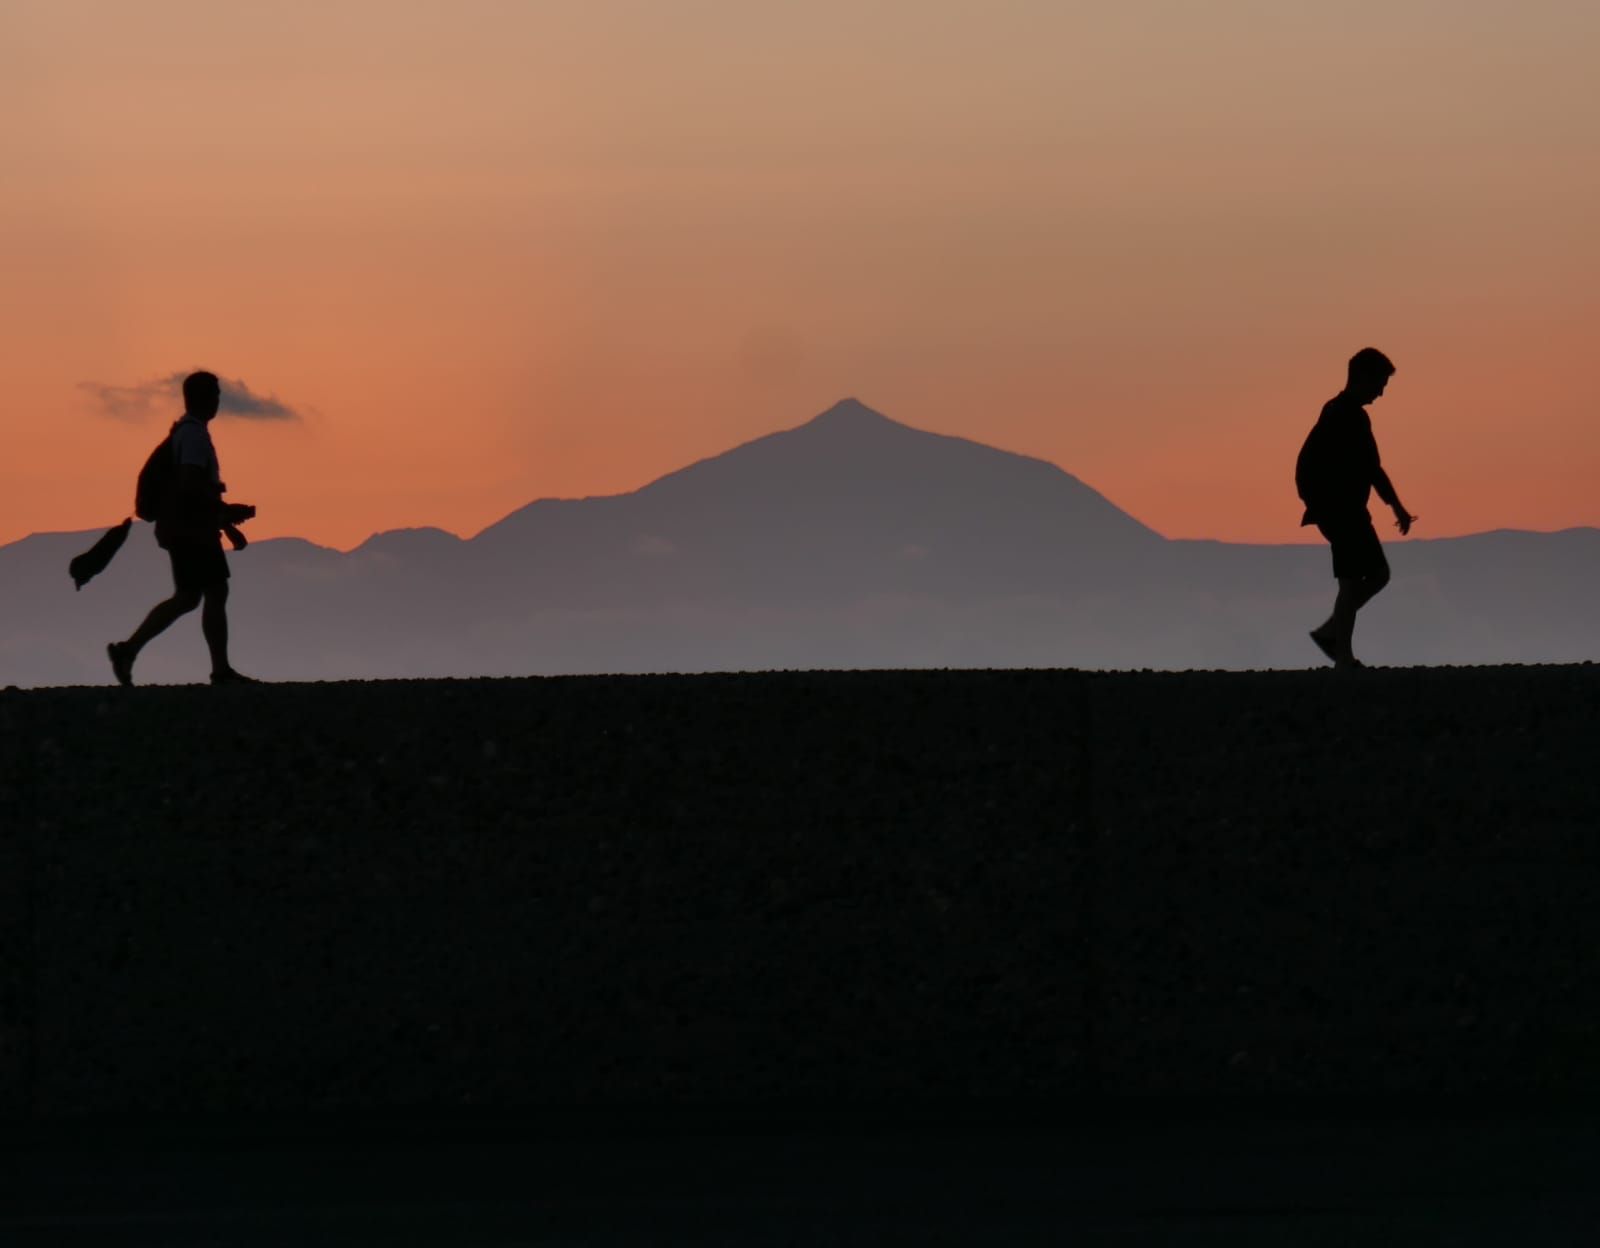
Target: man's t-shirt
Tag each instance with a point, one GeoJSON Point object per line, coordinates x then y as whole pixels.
{"type": "Point", "coordinates": [1338, 464]}
{"type": "Point", "coordinates": [190, 520]}
{"type": "Point", "coordinates": [191, 443]}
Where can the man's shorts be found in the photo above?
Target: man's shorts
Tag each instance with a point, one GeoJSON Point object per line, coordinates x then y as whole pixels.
{"type": "Point", "coordinates": [1357, 552]}
{"type": "Point", "coordinates": [197, 565]}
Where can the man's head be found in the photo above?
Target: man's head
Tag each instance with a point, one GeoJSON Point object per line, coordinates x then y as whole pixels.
{"type": "Point", "coordinates": [1370, 370]}
{"type": "Point", "coordinates": [202, 394]}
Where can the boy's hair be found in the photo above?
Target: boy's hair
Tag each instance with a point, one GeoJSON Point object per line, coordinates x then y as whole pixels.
{"type": "Point", "coordinates": [198, 386]}
{"type": "Point", "coordinates": [1370, 362]}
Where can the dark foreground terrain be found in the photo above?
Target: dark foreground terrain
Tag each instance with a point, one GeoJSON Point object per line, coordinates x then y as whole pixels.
{"type": "Point", "coordinates": [1034, 926]}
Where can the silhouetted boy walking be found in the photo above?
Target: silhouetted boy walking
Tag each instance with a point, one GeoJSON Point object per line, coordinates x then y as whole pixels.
{"type": "Point", "coordinates": [1337, 470]}
{"type": "Point", "coordinates": [189, 528]}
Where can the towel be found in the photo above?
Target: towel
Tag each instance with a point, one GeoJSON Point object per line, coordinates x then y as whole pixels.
{"type": "Point", "coordinates": [98, 557]}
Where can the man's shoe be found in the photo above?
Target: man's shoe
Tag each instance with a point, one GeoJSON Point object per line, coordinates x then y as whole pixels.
{"type": "Point", "coordinates": [1324, 644]}
{"type": "Point", "coordinates": [121, 663]}
{"type": "Point", "coordinates": [231, 677]}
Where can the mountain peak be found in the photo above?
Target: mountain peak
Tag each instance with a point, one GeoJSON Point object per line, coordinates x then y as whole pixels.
{"type": "Point", "coordinates": [408, 538]}
{"type": "Point", "coordinates": [849, 413]}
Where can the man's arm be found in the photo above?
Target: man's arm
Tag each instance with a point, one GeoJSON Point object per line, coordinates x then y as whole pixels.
{"type": "Point", "coordinates": [1385, 487]}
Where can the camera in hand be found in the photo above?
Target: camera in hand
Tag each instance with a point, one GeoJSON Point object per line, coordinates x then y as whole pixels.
{"type": "Point", "coordinates": [233, 515]}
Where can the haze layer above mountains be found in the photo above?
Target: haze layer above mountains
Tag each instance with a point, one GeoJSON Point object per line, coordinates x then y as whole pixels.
{"type": "Point", "coordinates": [851, 541]}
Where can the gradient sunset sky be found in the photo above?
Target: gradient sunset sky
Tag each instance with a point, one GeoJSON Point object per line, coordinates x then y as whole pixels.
{"type": "Point", "coordinates": [462, 255]}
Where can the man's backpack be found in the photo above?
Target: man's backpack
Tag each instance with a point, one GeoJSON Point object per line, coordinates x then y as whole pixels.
{"type": "Point", "coordinates": [158, 479]}
{"type": "Point", "coordinates": [1310, 467]}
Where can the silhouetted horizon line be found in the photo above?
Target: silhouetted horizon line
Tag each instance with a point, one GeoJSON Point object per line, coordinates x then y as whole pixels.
{"type": "Point", "coordinates": [846, 412]}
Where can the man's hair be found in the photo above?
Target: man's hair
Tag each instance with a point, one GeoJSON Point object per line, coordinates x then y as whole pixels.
{"type": "Point", "coordinates": [1369, 362]}
{"type": "Point", "coordinates": [198, 386]}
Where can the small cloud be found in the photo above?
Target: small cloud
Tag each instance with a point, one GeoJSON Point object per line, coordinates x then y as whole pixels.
{"type": "Point", "coordinates": [134, 403]}
{"type": "Point", "coordinates": [121, 402]}
{"type": "Point", "coordinates": [239, 400]}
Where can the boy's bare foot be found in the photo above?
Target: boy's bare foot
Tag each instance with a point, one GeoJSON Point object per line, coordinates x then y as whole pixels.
{"type": "Point", "coordinates": [230, 677]}
{"type": "Point", "coordinates": [121, 663]}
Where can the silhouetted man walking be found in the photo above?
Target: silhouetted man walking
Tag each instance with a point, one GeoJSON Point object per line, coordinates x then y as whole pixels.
{"type": "Point", "coordinates": [1337, 470]}
{"type": "Point", "coordinates": [189, 528]}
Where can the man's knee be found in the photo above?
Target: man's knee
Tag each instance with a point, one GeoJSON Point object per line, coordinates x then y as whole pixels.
{"type": "Point", "coordinates": [216, 595]}
{"type": "Point", "coordinates": [1372, 584]}
{"type": "Point", "coordinates": [185, 600]}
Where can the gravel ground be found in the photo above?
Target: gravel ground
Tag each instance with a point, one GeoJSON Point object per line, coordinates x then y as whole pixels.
{"type": "Point", "coordinates": [597, 1179]}
{"type": "Point", "coordinates": [815, 888]}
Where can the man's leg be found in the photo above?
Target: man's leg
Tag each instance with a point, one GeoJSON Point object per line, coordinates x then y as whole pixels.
{"type": "Point", "coordinates": [1327, 634]}
{"type": "Point", "coordinates": [1362, 572]}
{"type": "Point", "coordinates": [1371, 587]}
{"type": "Point", "coordinates": [214, 624]}
{"type": "Point", "coordinates": [1341, 626]}
{"type": "Point", "coordinates": [1354, 593]}
{"type": "Point", "coordinates": [161, 617]}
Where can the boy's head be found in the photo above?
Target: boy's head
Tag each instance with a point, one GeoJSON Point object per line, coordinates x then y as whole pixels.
{"type": "Point", "coordinates": [202, 395]}
{"type": "Point", "coordinates": [1370, 370]}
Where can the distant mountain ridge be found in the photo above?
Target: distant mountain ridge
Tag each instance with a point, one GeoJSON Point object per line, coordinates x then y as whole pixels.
{"type": "Point", "coordinates": [850, 502]}
{"type": "Point", "coordinates": [850, 540]}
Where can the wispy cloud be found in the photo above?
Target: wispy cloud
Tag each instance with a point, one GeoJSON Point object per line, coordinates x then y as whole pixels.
{"type": "Point", "coordinates": [137, 401]}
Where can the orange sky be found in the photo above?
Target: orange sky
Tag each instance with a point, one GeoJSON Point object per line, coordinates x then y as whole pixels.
{"type": "Point", "coordinates": [493, 250]}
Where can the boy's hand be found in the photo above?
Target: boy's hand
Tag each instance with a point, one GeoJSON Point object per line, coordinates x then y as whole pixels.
{"type": "Point", "coordinates": [1403, 520]}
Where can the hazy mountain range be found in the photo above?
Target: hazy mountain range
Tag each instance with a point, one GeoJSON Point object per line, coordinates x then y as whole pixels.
{"type": "Point", "coordinates": [851, 541]}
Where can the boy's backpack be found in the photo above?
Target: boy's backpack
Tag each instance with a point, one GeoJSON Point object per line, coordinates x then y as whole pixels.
{"type": "Point", "coordinates": [152, 497]}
